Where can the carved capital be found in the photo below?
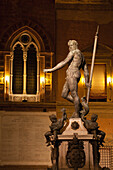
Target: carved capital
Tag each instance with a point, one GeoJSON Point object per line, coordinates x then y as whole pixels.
{"type": "Point", "coordinates": [12, 55]}
{"type": "Point", "coordinates": [38, 59]}
{"type": "Point", "coordinates": [24, 55]}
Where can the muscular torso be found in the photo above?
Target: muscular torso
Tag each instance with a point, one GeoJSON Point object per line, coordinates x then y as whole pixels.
{"type": "Point", "coordinates": [75, 65]}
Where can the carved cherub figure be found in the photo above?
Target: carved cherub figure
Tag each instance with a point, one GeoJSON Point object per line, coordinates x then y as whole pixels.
{"type": "Point", "coordinates": [93, 128]}
{"type": "Point", "coordinates": [56, 126]}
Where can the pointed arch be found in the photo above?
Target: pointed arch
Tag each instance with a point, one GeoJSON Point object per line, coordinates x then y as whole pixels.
{"type": "Point", "coordinates": [101, 50]}
{"type": "Point", "coordinates": [13, 47]}
{"type": "Point", "coordinates": [34, 28]}
{"type": "Point", "coordinates": [37, 49]}
{"type": "Point", "coordinates": [32, 33]}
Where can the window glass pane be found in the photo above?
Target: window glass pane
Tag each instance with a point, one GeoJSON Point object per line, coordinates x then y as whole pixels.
{"type": "Point", "coordinates": [18, 70]}
{"type": "Point", "coordinates": [31, 70]}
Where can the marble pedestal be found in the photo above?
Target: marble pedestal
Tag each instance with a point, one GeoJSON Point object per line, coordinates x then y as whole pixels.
{"type": "Point", "coordinates": [81, 134]}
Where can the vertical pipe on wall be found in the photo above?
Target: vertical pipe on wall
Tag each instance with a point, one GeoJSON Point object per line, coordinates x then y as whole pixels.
{"type": "Point", "coordinates": [11, 72]}
{"type": "Point", "coordinates": [38, 75]}
{"type": "Point", "coordinates": [24, 75]}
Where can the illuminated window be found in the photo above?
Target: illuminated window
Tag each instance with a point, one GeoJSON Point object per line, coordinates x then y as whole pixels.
{"type": "Point", "coordinates": [24, 67]}
{"type": "Point", "coordinates": [24, 63]}
{"type": "Point", "coordinates": [99, 85]}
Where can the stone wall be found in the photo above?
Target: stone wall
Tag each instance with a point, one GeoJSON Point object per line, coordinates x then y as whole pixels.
{"type": "Point", "coordinates": [40, 12]}
{"type": "Point", "coordinates": [22, 141]}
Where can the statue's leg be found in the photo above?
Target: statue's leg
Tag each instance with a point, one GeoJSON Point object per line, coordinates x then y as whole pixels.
{"type": "Point", "coordinates": [65, 92]}
{"type": "Point", "coordinates": [73, 86]}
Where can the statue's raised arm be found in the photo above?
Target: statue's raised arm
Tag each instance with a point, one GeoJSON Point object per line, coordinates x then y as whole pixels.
{"type": "Point", "coordinates": [61, 64]}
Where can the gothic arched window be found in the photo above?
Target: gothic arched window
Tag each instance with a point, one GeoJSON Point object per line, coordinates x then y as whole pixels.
{"type": "Point", "coordinates": [24, 64]}
{"type": "Point", "coordinates": [24, 69]}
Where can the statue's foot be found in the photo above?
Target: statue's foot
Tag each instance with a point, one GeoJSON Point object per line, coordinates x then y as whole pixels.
{"type": "Point", "coordinates": [75, 115]}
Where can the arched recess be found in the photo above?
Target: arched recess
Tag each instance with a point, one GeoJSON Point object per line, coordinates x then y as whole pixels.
{"type": "Point", "coordinates": [102, 74]}
{"type": "Point", "coordinates": [31, 70]}
{"type": "Point", "coordinates": [33, 61]}
{"type": "Point", "coordinates": [17, 69]}
{"type": "Point", "coordinates": [30, 25]}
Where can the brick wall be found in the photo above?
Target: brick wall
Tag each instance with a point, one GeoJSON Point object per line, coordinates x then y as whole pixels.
{"type": "Point", "coordinates": [41, 12]}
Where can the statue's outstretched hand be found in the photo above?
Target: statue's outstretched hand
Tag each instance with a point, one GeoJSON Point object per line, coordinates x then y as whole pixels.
{"type": "Point", "coordinates": [47, 70]}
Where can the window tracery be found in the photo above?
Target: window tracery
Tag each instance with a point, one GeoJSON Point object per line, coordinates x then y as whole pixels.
{"type": "Point", "coordinates": [24, 69]}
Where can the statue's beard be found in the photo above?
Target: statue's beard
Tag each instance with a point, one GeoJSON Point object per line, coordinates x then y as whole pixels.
{"type": "Point", "coordinates": [72, 49]}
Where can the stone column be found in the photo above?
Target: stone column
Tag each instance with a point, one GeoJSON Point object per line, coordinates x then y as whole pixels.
{"type": "Point", "coordinates": [38, 74]}
{"type": "Point", "coordinates": [11, 72]}
{"type": "Point", "coordinates": [24, 75]}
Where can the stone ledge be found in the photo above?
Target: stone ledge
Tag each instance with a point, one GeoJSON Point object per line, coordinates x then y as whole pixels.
{"type": "Point", "coordinates": [24, 106]}
{"type": "Point", "coordinates": [81, 137]}
{"type": "Point", "coordinates": [18, 167]}
{"type": "Point", "coordinates": [103, 109]}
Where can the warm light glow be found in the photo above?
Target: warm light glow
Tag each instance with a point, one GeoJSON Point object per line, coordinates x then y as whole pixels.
{"type": "Point", "coordinates": [48, 79]}
{"type": "Point", "coordinates": [2, 79]}
{"type": "Point", "coordinates": [82, 80]}
{"type": "Point", "coordinates": [108, 80]}
{"type": "Point", "coordinates": [7, 79]}
{"type": "Point", "coordinates": [112, 80]}
{"type": "Point", "coordinates": [42, 80]}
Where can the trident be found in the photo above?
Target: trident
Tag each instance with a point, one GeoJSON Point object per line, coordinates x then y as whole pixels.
{"type": "Point", "coordinates": [92, 64]}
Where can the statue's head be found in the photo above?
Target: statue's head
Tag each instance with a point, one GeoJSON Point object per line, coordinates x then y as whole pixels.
{"type": "Point", "coordinates": [53, 118]}
{"type": "Point", "coordinates": [94, 117]}
{"type": "Point", "coordinates": [73, 45]}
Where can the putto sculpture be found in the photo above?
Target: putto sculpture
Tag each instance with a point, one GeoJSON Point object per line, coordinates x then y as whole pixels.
{"type": "Point", "coordinates": [55, 127]}
{"type": "Point", "coordinates": [52, 136]}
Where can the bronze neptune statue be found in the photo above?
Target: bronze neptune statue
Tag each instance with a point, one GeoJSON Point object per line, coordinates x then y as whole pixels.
{"type": "Point", "coordinates": [77, 61]}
